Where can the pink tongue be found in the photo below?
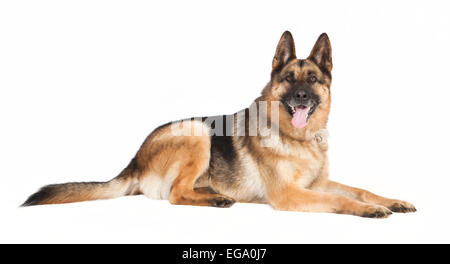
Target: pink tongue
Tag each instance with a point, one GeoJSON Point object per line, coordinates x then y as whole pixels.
{"type": "Point", "coordinates": [299, 118]}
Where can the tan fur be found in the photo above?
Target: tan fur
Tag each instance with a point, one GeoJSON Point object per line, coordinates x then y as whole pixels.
{"type": "Point", "coordinates": [79, 192]}
{"type": "Point", "coordinates": [174, 162]}
{"type": "Point", "coordinates": [177, 162]}
{"type": "Point", "coordinates": [296, 170]}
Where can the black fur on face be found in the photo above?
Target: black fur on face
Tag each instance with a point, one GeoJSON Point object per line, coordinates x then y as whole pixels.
{"type": "Point", "coordinates": [300, 96]}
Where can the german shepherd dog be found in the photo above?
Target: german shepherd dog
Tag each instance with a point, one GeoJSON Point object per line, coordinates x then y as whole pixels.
{"type": "Point", "coordinates": [216, 161]}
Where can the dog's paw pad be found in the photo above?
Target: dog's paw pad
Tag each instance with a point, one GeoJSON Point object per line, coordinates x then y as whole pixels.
{"type": "Point", "coordinates": [402, 207]}
{"type": "Point", "coordinates": [376, 212]}
{"type": "Point", "coordinates": [223, 202]}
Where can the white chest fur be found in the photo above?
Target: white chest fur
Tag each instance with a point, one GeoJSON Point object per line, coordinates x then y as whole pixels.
{"type": "Point", "coordinates": [303, 163]}
{"type": "Point", "coordinates": [251, 181]}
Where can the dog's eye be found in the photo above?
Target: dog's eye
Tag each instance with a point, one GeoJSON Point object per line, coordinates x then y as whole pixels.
{"type": "Point", "coordinates": [312, 79]}
{"type": "Point", "coordinates": [290, 78]}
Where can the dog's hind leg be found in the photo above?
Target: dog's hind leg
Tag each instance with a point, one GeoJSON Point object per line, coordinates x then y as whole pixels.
{"type": "Point", "coordinates": [183, 192]}
{"type": "Point", "coordinates": [175, 162]}
{"type": "Point", "coordinates": [195, 163]}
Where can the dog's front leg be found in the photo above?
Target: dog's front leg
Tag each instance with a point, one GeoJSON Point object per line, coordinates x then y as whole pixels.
{"type": "Point", "coordinates": [364, 196]}
{"type": "Point", "coordinates": [293, 198]}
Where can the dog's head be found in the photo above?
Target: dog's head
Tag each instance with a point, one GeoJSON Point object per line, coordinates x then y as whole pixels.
{"type": "Point", "coordinates": [302, 86]}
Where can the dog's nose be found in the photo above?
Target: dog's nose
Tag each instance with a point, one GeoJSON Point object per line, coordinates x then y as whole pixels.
{"type": "Point", "coordinates": [301, 95]}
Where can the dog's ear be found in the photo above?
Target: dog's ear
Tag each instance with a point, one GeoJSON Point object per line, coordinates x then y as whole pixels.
{"type": "Point", "coordinates": [321, 53]}
{"type": "Point", "coordinates": [285, 51]}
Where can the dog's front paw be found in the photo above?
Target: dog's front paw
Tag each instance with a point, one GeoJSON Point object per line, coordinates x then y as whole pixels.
{"type": "Point", "coordinates": [376, 211]}
{"type": "Point", "coordinates": [398, 206]}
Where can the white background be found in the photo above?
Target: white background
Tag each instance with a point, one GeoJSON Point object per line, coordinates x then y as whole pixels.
{"type": "Point", "coordinates": [82, 83]}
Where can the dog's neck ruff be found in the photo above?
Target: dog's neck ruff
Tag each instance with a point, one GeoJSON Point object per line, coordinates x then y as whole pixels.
{"type": "Point", "coordinates": [321, 137]}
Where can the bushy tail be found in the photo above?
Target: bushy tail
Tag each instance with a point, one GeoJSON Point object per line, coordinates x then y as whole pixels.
{"type": "Point", "coordinates": [124, 184]}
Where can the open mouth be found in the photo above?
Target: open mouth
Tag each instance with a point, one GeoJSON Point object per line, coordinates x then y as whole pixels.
{"type": "Point", "coordinates": [300, 115]}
